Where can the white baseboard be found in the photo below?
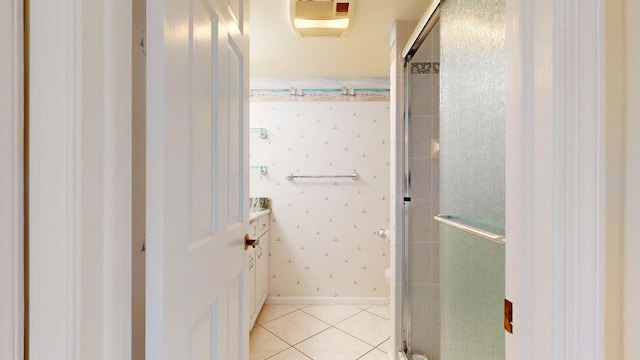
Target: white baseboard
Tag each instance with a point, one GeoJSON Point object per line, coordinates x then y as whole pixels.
{"type": "Point", "coordinates": [328, 300]}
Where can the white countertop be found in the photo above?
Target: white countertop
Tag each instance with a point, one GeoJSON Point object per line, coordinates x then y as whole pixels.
{"type": "Point", "coordinates": [258, 214]}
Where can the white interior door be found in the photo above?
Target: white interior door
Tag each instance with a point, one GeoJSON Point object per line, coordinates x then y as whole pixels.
{"type": "Point", "coordinates": [197, 179]}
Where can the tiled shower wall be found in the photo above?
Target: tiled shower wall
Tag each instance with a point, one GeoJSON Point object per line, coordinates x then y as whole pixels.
{"type": "Point", "coordinates": [323, 241]}
{"type": "Point", "coordinates": [424, 245]}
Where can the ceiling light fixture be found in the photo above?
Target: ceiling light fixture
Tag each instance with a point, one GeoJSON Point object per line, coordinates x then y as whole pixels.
{"type": "Point", "coordinates": [332, 18]}
{"type": "Point", "coordinates": [321, 24]}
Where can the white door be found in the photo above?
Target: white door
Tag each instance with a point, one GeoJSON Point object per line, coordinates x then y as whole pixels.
{"type": "Point", "coordinates": [197, 179]}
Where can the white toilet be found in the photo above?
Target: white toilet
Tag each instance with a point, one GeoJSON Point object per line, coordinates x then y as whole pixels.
{"type": "Point", "coordinates": [384, 234]}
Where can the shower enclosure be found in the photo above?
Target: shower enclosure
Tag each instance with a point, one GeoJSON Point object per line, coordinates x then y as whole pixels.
{"type": "Point", "coordinates": [453, 206]}
{"type": "Point", "coordinates": [421, 197]}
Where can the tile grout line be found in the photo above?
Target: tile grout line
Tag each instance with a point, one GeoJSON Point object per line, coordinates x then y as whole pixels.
{"type": "Point", "coordinates": [367, 353]}
{"type": "Point", "coordinates": [281, 339]}
{"type": "Point", "coordinates": [276, 318]}
{"type": "Point", "coordinates": [276, 335]}
{"type": "Point", "coordinates": [343, 320]}
{"type": "Point", "coordinates": [358, 337]}
{"type": "Point", "coordinates": [383, 341]}
{"type": "Point", "coordinates": [361, 310]}
{"type": "Point", "coordinates": [344, 332]}
{"type": "Point", "coordinates": [355, 337]}
{"type": "Point", "coordinates": [380, 316]}
{"type": "Point", "coordinates": [305, 339]}
{"type": "Point", "coordinates": [290, 347]}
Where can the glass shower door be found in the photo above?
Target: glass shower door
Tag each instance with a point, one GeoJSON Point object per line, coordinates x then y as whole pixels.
{"type": "Point", "coordinates": [472, 296]}
{"type": "Point", "coordinates": [472, 188]}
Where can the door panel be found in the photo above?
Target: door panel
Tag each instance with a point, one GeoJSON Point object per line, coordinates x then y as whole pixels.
{"type": "Point", "coordinates": [472, 190]}
{"type": "Point", "coordinates": [236, 7]}
{"type": "Point", "coordinates": [196, 184]}
{"type": "Point", "coordinates": [203, 121]}
{"type": "Point", "coordinates": [236, 132]}
{"type": "Point", "coordinates": [200, 337]}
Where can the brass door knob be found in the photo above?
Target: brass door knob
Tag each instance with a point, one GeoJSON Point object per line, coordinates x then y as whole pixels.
{"type": "Point", "coordinates": [249, 242]}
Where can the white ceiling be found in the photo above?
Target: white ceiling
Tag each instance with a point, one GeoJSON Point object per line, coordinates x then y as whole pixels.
{"type": "Point", "coordinates": [363, 52]}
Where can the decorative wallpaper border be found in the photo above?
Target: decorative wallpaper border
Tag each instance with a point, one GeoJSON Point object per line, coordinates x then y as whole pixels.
{"type": "Point", "coordinates": [320, 89]}
{"type": "Point", "coordinates": [425, 68]}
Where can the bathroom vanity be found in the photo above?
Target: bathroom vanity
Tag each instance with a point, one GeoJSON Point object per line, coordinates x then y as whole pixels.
{"type": "Point", "coordinates": [258, 262]}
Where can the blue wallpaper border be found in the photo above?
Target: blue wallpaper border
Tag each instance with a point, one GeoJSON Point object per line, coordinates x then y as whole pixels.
{"type": "Point", "coordinates": [320, 89]}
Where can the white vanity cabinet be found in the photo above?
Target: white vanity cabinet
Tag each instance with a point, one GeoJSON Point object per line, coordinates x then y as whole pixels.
{"type": "Point", "coordinates": [258, 264]}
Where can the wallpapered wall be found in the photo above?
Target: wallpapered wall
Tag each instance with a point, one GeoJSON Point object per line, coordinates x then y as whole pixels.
{"type": "Point", "coordinates": [323, 241]}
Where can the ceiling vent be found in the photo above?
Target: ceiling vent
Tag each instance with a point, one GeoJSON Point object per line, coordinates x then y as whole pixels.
{"type": "Point", "coordinates": [332, 18]}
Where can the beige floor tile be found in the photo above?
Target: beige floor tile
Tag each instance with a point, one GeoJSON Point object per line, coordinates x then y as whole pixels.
{"type": "Point", "coordinates": [290, 354]}
{"type": "Point", "coordinates": [332, 314]}
{"type": "Point", "coordinates": [295, 327]}
{"type": "Point", "coordinates": [382, 311]}
{"type": "Point", "coordinates": [264, 344]}
{"type": "Point", "coordinates": [333, 344]}
{"type": "Point", "coordinates": [385, 346]}
{"type": "Point", "coordinates": [375, 354]}
{"type": "Point", "coordinates": [300, 306]}
{"type": "Point", "coordinates": [271, 312]}
{"type": "Point", "coordinates": [367, 327]}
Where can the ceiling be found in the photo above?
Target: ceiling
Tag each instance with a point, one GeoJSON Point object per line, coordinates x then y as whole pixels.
{"type": "Point", "coordinates": [364, 52]}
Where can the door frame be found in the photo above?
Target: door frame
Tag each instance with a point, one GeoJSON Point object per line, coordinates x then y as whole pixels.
{"type": "Point", "coordinates": [83, 91]}
{"type": "Point", "coordinates": [11, 180]}
{"type": "Point", "coordinates": [80, 179]}
{"type": "Point", "coordinates": [556, 178]}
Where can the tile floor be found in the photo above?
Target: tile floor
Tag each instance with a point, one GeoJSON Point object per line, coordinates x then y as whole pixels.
{"type": "Point", "coordinates": [321, 332]}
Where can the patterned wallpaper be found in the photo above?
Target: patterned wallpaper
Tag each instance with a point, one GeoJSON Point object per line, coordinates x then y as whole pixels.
{"type": "Point", "coordinates": [314, 89]}
{"type": "Point", "coordinates": [323, 241]}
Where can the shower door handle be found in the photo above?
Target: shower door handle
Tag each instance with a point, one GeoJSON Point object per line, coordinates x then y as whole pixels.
{"type": "Point", "coordinates": [453, 222]}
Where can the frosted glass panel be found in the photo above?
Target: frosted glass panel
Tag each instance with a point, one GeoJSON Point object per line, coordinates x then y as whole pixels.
{"type": "Point", "coordinates": [472, 297]}
{"type": "Point", "coordinates": [472, 80]}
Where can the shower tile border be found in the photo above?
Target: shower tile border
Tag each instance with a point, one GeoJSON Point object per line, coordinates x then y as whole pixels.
{"type": "Point", "coordinates": [425, 68]}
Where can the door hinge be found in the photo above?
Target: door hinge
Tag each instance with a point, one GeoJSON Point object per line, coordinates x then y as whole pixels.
{"type": "Point", "coordinates": [508, 316]}
{"type": "Point", "coordinates": [142, 43]}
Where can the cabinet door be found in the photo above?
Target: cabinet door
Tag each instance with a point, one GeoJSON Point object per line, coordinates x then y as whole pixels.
{"type": "Point", "coordinates": [262, 280]}
{"type": "Point", "coordinates": [251, 278]}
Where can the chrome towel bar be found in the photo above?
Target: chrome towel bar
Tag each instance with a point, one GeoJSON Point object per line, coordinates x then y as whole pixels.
{"type": "Point", "coordinates": [449, 220]}
{"type": "Point", "coordinates": [354, 176]}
